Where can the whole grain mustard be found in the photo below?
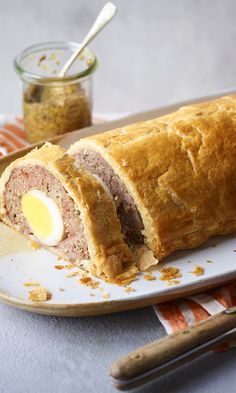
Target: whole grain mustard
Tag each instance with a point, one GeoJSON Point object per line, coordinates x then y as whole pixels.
{"type": "Point", "coordinates": [52, 104]}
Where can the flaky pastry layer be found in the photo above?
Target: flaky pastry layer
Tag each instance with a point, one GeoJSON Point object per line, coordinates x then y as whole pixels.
{"type": "Point", "coordinates": [180, 170]}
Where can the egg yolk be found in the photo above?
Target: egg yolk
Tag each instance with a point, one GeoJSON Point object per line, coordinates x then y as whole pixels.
{"type": "Point", "coordinates": [38, 215]}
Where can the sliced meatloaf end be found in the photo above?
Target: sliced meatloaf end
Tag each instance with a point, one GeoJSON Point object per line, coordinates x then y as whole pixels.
{"type": "Point", "coordinates": [91, 229]}
{"type": "Point", "coordinates": [131, 221]}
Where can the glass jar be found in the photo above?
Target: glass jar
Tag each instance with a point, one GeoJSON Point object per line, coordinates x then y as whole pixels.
{"type": "Point", "coordinates": [54, 105]}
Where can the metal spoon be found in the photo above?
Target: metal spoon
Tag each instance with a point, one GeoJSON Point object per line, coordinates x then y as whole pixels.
{"type": "Point", "coordinates": [105, 16]}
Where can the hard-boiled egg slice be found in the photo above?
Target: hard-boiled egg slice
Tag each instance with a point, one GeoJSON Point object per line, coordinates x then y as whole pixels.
{"type": "Point", "coordinates": [43, 216]}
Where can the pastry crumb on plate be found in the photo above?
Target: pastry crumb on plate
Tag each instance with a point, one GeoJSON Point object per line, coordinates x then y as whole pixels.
{"type": "Point", "coordinates": [105, 295]}
{"type": "Point", "coordinates": [59, 267]}
{"type": "Point", "coordinates": [34, 245]}
{"type": "Point", "coordinates": [73, 274]}
{"type": "Point", "coordinates": [149, 277]}
{"type": "Point", "coordinates": [198, 271]}
{"type": "Point", "coordinates": [39, 294]}
{"type": "Point", "coordinates": [170, 273]}
{"type": "Point", "coordinates": [129, 289]}
{"type": "Point", "coordinates": [89, 282]}
{"type": "Point", "coordinates": [70, 266]}
{"type": "Point", "coordinates": [31, 284]}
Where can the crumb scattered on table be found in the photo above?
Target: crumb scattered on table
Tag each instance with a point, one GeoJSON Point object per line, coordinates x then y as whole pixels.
{"type": "Point", "coordinates": [61, 289]}
{"type": "Point", "coordinates": [198, 271]}
{"type": "Point", "coordinates": [209, 261]}
{"type": "Point", "coordinates": [39, 294]}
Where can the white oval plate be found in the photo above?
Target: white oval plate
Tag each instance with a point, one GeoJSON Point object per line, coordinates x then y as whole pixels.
{"type": "Point", "coordinates": [78, 300]}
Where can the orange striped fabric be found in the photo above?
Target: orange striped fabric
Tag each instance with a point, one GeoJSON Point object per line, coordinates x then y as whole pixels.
{"type": "Point", "coordinates": [181, 313]}
{"type": "Point", "coordinates": [12, 134]}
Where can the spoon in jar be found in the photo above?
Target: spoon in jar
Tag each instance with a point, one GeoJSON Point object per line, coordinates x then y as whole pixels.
{"type": "Point", "coordinates": [105, 16]}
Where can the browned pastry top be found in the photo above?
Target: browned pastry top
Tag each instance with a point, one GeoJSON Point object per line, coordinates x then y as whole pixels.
{"type": "Point", "coordinates": [180, 170]}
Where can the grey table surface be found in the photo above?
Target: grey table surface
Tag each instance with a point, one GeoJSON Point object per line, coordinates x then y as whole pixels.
{"type": "Point", "coordinates": [155, 52]}
{"type": "Point", "coordinates": [46, 354]}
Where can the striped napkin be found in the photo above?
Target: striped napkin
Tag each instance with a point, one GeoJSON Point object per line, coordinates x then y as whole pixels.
{"type": "Point", "coordinates": [179, 314]}
{"type": "Point", "coordinates": [12, 134]}
{"type": "Point", "coordinates": [173, 315]}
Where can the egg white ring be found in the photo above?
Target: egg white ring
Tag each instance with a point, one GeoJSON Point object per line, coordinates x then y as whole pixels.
{"type": "Point", "coordinates": [57, 220]}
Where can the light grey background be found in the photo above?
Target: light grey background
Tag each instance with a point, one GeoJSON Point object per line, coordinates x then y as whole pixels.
{"type": "Point", "coordinates": [154, 53]}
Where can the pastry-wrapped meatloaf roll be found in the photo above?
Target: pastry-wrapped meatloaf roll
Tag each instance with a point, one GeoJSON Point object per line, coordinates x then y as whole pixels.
{"type": "Point", "coordinates": [49, 198]}
{"type": "Point", "coordinates": [173, 178]}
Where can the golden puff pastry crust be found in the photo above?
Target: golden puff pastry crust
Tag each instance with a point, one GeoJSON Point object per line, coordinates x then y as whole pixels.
{"type": "Point", "coordinates": [110, 257]}
{"type": "Point", "coordinates": [180, 170]}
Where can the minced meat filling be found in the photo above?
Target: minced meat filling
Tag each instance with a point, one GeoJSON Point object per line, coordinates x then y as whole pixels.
{"type": "Point", "coordinates": [23, 179]}
{"type": "Point", "coordinates": [127, 211]}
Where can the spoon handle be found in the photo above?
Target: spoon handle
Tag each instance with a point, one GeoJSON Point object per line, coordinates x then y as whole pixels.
{"type": "Point", "coordinates": [105, 16]}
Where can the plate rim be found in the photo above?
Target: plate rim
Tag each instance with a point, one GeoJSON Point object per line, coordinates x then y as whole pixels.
{"type": "Point", "coordinates": [112, 306]}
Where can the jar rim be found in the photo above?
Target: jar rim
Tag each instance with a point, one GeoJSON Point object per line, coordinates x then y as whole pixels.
{"type": "Point", "coordinates": [39, 79]}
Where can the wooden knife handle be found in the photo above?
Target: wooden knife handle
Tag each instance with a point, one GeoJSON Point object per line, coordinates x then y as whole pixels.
{"type": "Point", "coordinates": [167, 348]}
